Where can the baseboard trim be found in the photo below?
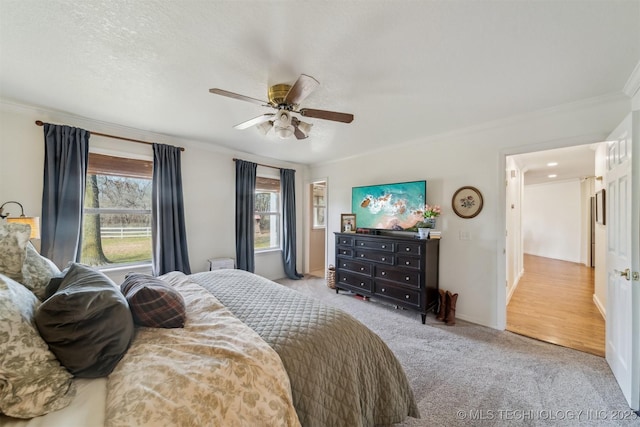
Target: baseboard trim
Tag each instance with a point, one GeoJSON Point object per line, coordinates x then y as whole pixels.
{"type": "Point", "coordinates": [600, 307]}
{"type": "Point", "coordinates": [515, 285]}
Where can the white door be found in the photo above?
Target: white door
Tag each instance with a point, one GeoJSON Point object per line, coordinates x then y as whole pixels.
{"type": "Point", "coordinates": [623, 293]}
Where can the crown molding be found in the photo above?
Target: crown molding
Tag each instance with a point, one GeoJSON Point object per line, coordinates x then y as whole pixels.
{"type": "Point", "coordinates": [61, 117]}
{"type": "Point", "coordinates": [506, 122]}
{"type": "Point", "coordinates": [633, 83]}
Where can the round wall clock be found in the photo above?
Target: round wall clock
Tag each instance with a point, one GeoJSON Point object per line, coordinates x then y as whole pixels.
{"type": "Point", "coordinates": [467, 202]}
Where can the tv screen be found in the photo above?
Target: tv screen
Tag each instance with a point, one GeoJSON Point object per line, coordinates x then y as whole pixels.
{"type": "Point", "coordinates": [389, 206]}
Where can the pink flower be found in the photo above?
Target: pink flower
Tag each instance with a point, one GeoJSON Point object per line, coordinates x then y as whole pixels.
{"type": "Point", "coordinates": [431, 211]}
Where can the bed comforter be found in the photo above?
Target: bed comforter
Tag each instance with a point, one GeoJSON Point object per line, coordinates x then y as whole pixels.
{"type": "Point", "coordinates": [214, 371]}
{"type": "Point", "coordinates": [341, 373]}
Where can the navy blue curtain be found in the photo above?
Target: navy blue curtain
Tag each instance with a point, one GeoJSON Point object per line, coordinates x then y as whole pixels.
{"type": "Point", "coordinates": [169, 236]}
{"type": "Point", "coordinates": [66, 153]}
{"type": "Point", "coordinates": [288, 190]}
{"type": "Point", "coordinates": [245, 214]}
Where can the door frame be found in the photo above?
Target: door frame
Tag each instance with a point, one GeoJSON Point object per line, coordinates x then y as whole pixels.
{"type": "Point", "coordinates": [309, 225]}
{"type": "Point", "coordinates": [501, 247]}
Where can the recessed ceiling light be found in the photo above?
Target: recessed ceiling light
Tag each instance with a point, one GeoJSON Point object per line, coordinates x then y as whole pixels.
{"type": "Point", "coordinates": [553, 175]}
{"type": "Point", "coordinates": [552, 164]}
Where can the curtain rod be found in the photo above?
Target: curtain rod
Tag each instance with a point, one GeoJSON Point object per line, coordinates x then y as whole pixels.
{"type": "Point", "coordinates": [260, 164]}
{"type": "Point", "coordinates": [40, 123]}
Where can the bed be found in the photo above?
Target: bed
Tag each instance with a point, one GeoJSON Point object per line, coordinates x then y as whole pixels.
{"type": "Point", "coordinates": [249, 352]}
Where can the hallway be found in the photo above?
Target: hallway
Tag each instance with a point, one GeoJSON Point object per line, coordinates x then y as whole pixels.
{"type": "Point", "coordinates": [554, 303]}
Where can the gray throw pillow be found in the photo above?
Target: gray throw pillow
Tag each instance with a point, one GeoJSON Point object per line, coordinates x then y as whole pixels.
{"type": "Point", "coordinates": [86, 322]}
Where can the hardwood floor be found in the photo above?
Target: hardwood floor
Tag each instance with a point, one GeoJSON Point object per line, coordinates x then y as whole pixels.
{"type": "Point", "coordinates": [554, 303]}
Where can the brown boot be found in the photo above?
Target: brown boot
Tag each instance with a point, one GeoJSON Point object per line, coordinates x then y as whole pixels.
{"type": "Point", "coordinates": [452, 299]}
{"type": "Point", "coordinates": [442, 310]}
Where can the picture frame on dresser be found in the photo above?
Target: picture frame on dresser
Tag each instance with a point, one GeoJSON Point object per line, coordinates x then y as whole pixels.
{"type": "Point", "coordinates": [347, 223]}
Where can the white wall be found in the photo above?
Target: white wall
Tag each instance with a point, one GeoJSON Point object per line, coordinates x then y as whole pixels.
{"type": "Point", "coordinates": [551, 220]}
{"type": "Point", "coordinates": [208, 174]}
{"type": "Point", "coordinates": [474, 268]}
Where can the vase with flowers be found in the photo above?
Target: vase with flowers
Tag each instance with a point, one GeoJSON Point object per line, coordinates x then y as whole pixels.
{"type": "Point", "coordinates": [429, 214]}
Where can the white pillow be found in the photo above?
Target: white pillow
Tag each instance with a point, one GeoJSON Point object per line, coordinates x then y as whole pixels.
{"type": "Point", "coordinates": [37, 271]}
{"type": "Point", "coordinates": [32, 381]}
{"type": "Point", "coordinates": [13, 242]}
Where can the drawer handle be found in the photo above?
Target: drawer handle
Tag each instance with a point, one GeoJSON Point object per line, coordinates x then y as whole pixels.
{"type": "Point", "coordinates": [344, 265]}
{"type": "Point", "coordinates": [408, 249]}
{"type": "Point", "coordinates": [406, 296]}
{"type": "Point", "coordinates": [361, 255]}
{"type": "Point", "coordinates": [407, 263]}
{"type": "Point", "coordinates": [383, 290]}
{"type": "Point", "coordinates": [383, 273]}
{"type": "Point", "coordinates": [361, 284]}
{"type": "Point", "coordinates": [384, 246]}
{"type": "Point", "coordinates": [407, 278]}
{"type": "Point", "coordinates": [383, 259]}
{"type": "Point", "coordinates": [362, 244]}
{"type": "Point", "coordinates": [361, 268]}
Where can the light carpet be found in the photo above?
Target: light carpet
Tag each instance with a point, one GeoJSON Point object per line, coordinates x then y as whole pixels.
{"type": "Point", "coordinates": [473, 375]}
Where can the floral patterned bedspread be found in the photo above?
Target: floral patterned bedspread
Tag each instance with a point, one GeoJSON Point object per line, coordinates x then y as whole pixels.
{"type": "Point", "coordinates": [215, 371]}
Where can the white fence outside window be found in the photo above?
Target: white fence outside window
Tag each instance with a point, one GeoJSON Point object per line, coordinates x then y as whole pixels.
{"type": "Point", "coordinates": [123, 232]}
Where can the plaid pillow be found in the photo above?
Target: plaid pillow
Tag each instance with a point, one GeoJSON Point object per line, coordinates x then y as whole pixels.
{"type": "Point", "coordinates": [153, 302]}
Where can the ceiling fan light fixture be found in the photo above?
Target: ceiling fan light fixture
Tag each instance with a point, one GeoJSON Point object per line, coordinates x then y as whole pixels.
{"type": "Point", "coordinates": [282, 125]}
{"type": "Point", "coordinates": [305, 127]}
{"type": "Point", "coordinates": [265, 127]}
{"type": "Point", "coordinates": [284, 132]}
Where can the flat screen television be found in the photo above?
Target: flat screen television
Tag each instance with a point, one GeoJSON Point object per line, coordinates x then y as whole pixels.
{"type": "Point", "coordinates": [395, 206]}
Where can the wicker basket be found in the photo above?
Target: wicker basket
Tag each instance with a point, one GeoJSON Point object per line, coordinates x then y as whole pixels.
{"type": "Point", "coordinates": [331, 277]}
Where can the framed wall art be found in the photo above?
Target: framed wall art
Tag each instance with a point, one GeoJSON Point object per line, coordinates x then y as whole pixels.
{"type": "Point", "coordinates": [467, 202]}
{"type": "Point", "coordinates": [600, 207]}
{"type": "Point", "coordinates": [348, 223]}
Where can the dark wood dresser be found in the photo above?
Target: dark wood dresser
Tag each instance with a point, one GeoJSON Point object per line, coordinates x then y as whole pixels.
{"type": "Point", "coordinates": [400, 270]}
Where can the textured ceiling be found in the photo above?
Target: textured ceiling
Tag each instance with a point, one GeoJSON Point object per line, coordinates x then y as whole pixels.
{"type": "Point", "coordinates": [405, 69]}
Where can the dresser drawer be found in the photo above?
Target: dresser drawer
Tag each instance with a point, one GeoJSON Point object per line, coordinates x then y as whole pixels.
{"type": "Point", "coordinates": [375, 245]}
{"type": "Point", "coordinates": [344, 241]}
{"type": "Point", "coordinates": [406, 296]}
{"type": "Point", "coordinates": [345, 252]}
{"type": "Point", "coordinates": [406, 277]}
{"type": "Point", "coordinates": [408, 248]}
{"type": "Point", "coordinates": [408, 262]}
{"type": "Point", "coordinates": [356, 267]}
{"type": "Point", "coordinates": [354, 282]}
{"type": "Point", "coordinates": [375, 257]}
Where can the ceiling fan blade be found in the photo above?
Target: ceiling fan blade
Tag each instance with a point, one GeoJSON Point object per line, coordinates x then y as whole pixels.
{"type": "Point", "coordinates": [255, 121]}
{"type": "Point", "coordinates": [301, 89]}
{"type": "Point", "coordinates": [296, 130]}
{"type": "Point", "coordinates": [226, 93]}
{"type": "Point", "coordinates": [326, 115]}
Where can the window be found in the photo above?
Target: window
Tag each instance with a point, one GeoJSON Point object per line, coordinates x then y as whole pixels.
{"type": "Point", "coordinates": [267, 214]}
{"type": "Point", "coordinates": [117, 211]}
{"type": "Point", "coordinates": [319, 204]}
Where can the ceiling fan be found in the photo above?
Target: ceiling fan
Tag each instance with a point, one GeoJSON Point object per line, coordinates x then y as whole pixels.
{"type": "Point", "coordinates": [286, 99]}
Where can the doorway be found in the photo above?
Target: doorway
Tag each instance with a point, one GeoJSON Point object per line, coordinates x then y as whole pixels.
{"type": "Point", "coordinates": [551, 293]}
{"type": "Point", "coordinates": [317, 228]}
